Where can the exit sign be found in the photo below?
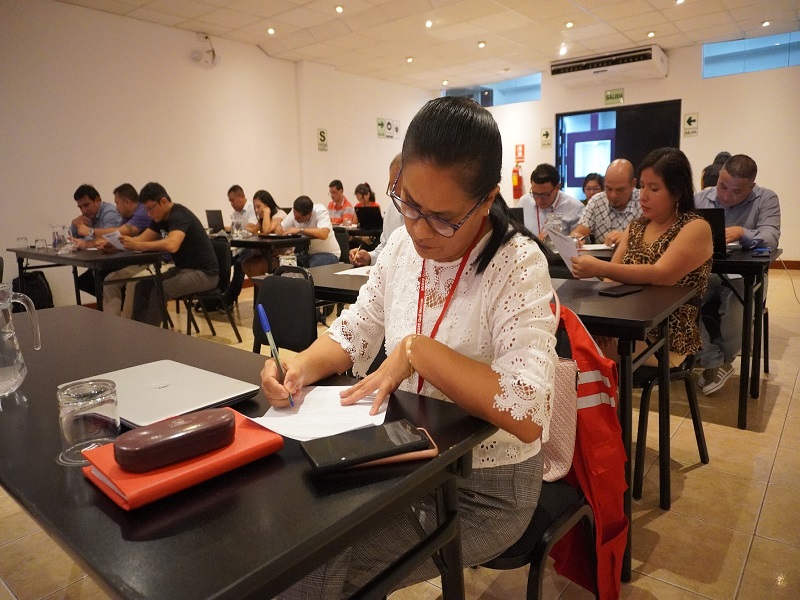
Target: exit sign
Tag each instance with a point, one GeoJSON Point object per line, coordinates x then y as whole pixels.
{"type": "Point", "coordinates": [616, 96]}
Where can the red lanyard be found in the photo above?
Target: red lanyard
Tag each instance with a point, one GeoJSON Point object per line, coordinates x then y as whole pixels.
{"type": "Point", "coordinates": [448, 298]}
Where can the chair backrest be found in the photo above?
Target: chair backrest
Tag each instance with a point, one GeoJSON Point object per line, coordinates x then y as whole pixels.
{"type": "Point", "coordinates": [344, 244]}
{"type": "Point", "coordinates": [222, 248]}
{"type": "Point", "coordinates": [289, 303]}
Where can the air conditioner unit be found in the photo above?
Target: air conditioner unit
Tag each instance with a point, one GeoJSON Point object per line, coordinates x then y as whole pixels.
{"type": "Point", "coordinates": [648, 62]}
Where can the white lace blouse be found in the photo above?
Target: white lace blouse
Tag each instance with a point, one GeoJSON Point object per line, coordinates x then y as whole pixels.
{"type": "Point", "coordinates": [501, 317]}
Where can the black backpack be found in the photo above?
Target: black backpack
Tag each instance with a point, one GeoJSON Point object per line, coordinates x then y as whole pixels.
{"type": "Point", "coordinates": [35, 286]}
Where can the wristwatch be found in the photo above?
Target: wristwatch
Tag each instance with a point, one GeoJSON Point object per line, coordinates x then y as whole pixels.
{"type": "Point", "coordinates": [91, 232]}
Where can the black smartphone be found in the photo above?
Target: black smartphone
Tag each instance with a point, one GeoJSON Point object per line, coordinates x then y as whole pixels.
{"type": "Point", "coordinates": [618, 289]}
{"type": "Point", "coordinates": [363, 445]}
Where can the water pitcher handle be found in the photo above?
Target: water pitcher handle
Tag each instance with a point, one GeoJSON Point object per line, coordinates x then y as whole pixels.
{"type": "Point", "coordinates": [28, 304]}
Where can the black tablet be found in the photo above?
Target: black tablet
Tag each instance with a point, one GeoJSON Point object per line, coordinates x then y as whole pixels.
{"type": "Point", "coordinates": [619, 289]}
{"type": "Point", "coordinates": [363, 445]}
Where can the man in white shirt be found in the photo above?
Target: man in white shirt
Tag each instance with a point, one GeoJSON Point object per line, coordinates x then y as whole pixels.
{"type": "Point", "coordinates": [547, 203]}
{"type": "Point", "coordinates": [245, 215]}
{"type": "Point", "coordinates": [314, 221]}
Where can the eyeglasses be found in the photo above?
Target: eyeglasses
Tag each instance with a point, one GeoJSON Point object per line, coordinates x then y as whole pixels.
{"type": "Point", "coordinates": [542, 196]}
{"type": "Point", "coordinates": [592, 188]}
{"type": "Point", "coordinates": [440, 226]}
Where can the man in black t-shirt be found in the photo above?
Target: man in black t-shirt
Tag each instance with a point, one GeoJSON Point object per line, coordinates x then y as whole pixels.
{"type": "Point", "coordinates": [177, 231]}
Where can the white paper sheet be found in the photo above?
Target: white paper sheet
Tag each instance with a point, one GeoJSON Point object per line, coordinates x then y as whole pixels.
{"type": "Point", "coordinates": [318, 412]}
{"type": "Point", "coordinates": [113, 238]}
{"type": "Point", "coordinates": [356, 271]}
{"type": "Point", "coordinates": [565, 245]}
{"type": "Point", "coordinates": [588, 247]}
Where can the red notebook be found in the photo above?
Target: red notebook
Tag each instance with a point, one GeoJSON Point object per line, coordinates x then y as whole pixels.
{"type": "Point", "coordinates": [132, 490]}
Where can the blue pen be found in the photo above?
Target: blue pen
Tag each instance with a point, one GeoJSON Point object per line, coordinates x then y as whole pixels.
{"type": "Point", "coordinates": [268, 330]}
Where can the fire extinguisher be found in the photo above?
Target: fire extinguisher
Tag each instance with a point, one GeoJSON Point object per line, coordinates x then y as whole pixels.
{"type": "Point", "coordinates": [516, 182]}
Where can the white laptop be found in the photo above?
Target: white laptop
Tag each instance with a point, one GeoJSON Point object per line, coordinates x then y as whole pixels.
{"type": "Point", "coordinates": [154, 391]}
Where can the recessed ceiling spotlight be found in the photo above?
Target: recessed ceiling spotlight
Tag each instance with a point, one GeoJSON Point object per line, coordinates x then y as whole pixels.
{"type": "Point", "coordinates": [765, 24]}
{"type": "Point", "coordinates": [678, 1]}
{"type": "Point", "coordinates": [651, 34]}
{"type": "Point", "coordinates": [409, 59]}
{"type": "Point", "coordinates": [444, 81]}
{"type": "Point", "coordinates": [563, 50]}
{"type": "Point", "coordinates": [271, 31]}
{"type": "Point", "coordinates": [339, 9]}
{"type": "Point", "coordinates": [570, 24]}
{"type": "Point", "coordinates": [429, 24]}
{"type": "Point", "coordinates": [481, 44]}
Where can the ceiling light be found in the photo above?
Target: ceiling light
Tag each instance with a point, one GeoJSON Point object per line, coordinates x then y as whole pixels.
{"type": "Point", "coordinates": [651, 34]}
{"type": "Point", "coordinates": [563, 50]}
{"type": "Point", "coordinates": [481, 44]}
{"type": "Point", "coordinates": [409, 59]}
{"type": "Point", "coordinates": [765, 24]}
{"type": "Point", "coordinates": [678, 1]}
{"type": "Point", "coordinates": [271, 31]}
{"type": "Point", "coordinates": [570, 24]}
{"type": "Point", "coordinates": [339, 9]}
{"type": "Point", "coordinates": [444, 81]}
{"type": "Point", "coordinates": [428, 24]}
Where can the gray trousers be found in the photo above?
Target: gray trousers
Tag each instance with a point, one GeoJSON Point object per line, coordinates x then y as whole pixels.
{"type": "Point", "coordinates": [728, 344]}
{"type": "Point", "coordinates": [495, 508]}
{"type": "Point", "coordinates": [177, 283]}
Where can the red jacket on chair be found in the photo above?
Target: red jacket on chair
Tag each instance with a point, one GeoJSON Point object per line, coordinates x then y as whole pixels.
{"type": "Point", "coordinates": [598, 469]}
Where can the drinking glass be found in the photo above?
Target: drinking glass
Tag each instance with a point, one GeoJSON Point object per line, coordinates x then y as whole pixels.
{"type": "Point", "coordinates": [22, 242]}
{"type": "Point", "coordinates": [41, 244]}
{"type": "Point", "coordinates": [89, 417]}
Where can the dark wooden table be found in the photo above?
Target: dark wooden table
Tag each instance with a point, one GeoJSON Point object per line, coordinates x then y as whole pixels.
{"type": "Point", "coordinates": [267, 243]}
{"type": "Point", "coordinates": [629, 318]}
{"type": "Point", "coordinates": [249, 533]}
{"type": "Point", "coordinates": [99, 263]}
{"type": "Point", "coordinates": [753, 271]}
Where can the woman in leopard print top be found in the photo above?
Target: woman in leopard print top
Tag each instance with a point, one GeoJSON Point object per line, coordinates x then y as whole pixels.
{"type": "Point", "coordinates": [668, 245]}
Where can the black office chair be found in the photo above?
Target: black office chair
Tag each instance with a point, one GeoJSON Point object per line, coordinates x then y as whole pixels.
{"type": "Point", "coordinates": [646, 377]}
{"type": "Point", "coordinates": [216, 296]}
{"type": "Point", "coordinates": [560, 508]}
{"type": "Point", "coordinates": [288, 299]}
{"type": "Point", "coordinates": [344, 244]}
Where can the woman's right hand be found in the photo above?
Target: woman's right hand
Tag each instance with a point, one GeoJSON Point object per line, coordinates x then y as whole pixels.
{"type": "Point", "coordinates": [277, 391]}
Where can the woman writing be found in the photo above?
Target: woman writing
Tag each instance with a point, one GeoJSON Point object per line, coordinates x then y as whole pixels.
{"type": "Point", "coordinates": [668, 245]}
{"type": "Point", "coordinates": [462, 296]}
{"type": "Point", "coordinates": [269, 221]}
{"type": "Point", "coordinates": [365, 195]}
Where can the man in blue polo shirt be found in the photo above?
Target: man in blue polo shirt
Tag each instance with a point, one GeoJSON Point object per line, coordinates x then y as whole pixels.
{"type": "Point", "coordinates": [752, 218]}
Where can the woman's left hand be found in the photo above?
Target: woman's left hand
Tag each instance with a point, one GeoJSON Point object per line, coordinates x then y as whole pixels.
{"type": "Point", "coordinates": [385, 380]}
{"type": "Point", "coordinates": [587, 266]}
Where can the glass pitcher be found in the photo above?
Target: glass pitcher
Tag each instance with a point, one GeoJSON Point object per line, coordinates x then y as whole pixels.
{"type": "Point", "coordinates": [12, 367]}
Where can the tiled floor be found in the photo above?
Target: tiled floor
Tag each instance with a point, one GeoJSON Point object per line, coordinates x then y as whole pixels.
{"type": "Point", "coordinates": [732, 532]}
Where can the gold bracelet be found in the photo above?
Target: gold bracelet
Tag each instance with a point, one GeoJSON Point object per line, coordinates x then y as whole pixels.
{"type": "Point", "coordinates": [409, 342]}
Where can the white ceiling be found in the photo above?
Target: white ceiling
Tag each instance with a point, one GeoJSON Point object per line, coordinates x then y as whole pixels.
{"type": "Point", "coordinates": [374, 38]}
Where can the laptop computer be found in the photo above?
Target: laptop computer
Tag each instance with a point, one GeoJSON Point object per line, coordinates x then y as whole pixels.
{"type": "Point", "coordinates": [369, 217]}
{"type": "Point", "coordinates": [154, 391]}
{"type": "Point", "coordinates": [214, 219]}
{"type": "Point", "coordinates": [716, 219]}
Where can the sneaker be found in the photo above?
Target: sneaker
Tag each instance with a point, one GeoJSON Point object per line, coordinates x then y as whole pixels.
{"type": "Point", "coordinates": [714, 379]}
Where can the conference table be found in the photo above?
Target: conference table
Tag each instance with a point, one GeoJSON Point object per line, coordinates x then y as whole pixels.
{"type": "Point", "coordinates": [249, 533]}
{"type": "Point", "coordinates": [100, 263]}
{"type": "Point", "coordinates": [267, 243]}
{"type": "Point", "coordinates": [753, 270]}
{"type": "Point", "coordinates": [637, 317]}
